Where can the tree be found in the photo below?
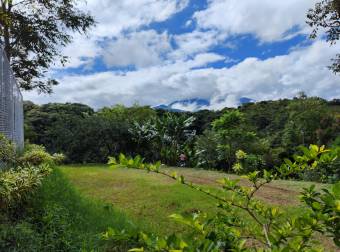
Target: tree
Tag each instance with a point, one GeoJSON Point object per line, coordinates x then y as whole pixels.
{"type": "Point", "coordinates": [174, 133]}
{"type": "Point", "coordinates": [233, 134]}
{"type": "Point", "coordinates": [326, 15]}
{"type": "Point", "coordinates": [33, 32]}
{"type": "Point", "coordinates": [310, 121]}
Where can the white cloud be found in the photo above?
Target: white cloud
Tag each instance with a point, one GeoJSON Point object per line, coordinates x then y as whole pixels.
{"type": "Point", "coordinates": [187, 107]}
{"type": "Point", "coordinates": [81, 52]}
{"type": "Point", "coordinates": [268, 20]}
{"type": "Point", "coordinates": [278, 77]}
{"type": "Point", "coordinates": [118, 15]}
{"type": "Point", "coordinates": [195, 42]}
{"type": "Point", "coordinates": [141, 49]}
{"type": "Point", "coordinates": [114, 17]}
{"type": "Point", "coordinates": [152, 85]}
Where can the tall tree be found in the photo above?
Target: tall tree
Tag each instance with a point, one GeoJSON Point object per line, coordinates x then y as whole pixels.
{"type": "Point", "coordinates": [33, 32]}
{"type": "Point", "coordinates": [326, 15]}
{"type": "Point", "coordinates": [233, 134]}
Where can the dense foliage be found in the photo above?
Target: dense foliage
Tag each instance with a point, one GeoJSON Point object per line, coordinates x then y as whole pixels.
{"type": "Point", "coordinates": [268, 132]}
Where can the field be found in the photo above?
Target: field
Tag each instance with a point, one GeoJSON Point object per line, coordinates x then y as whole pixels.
{"type": "Point", "coordinates": [148, 199]}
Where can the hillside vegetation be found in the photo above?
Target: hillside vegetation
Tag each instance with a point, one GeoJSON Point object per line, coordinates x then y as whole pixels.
{"type": "Point", "coordinates": [267, 132]}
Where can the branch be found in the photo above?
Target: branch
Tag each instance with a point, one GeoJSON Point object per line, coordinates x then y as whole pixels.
{"type": "Point", "coordinates": [247, 209]}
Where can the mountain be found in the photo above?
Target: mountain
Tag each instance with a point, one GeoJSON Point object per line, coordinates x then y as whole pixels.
{"type": "Point", "coordinates": [245, 100]}
{"type": "Point", "coordinates": [194, 104]}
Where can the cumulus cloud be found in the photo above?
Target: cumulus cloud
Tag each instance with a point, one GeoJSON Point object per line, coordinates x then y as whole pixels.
{"type": "Point", "coordinates": [195, 42]}
{"type": "Point", "coordinates": [279, 77]}
{"type": "Point", "coordinates": [113, 18]}
{"type": "Point", "coordinates": [141, 49]}
{"type": "Point", "coordinates": [268, 20]}
{"type": "Point", "coordinates": [171, 67]}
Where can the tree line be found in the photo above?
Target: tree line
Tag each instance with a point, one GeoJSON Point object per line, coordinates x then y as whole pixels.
{"type": "Point", "coordinates": [266, 132]}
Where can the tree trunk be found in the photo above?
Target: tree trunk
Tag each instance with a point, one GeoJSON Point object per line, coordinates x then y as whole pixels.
{"type": "Point", "coordinates": [6, 29]}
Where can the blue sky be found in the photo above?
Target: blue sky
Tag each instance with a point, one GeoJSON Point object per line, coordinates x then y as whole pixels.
{"type": "Point", "coordinates": [158, 51]}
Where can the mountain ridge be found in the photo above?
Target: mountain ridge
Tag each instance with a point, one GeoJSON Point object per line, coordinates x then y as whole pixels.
{"type": "Point", "coordinates": [193, 104]}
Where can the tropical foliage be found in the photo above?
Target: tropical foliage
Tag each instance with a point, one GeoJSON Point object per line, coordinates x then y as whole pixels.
{"type": "Point", "coordinates": [268, 132]}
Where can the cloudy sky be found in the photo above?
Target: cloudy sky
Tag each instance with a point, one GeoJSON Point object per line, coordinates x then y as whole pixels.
{"type": "Point", "coordinates": [158, 51]}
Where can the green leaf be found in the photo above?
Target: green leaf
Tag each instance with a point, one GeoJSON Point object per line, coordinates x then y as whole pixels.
{"type": "Point", "coordinates": [316, 205]}
{"type": "Point", "coordinates": [174, 175]}
{"type": "Point", "coordinates": [137, 250]}
{"type": "Point", "coordinates": [112, 161]}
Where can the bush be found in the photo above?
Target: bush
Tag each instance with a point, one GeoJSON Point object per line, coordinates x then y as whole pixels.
{"type": "Point", "coordinates": [328, 170]}
{"type": "Point", "coordinates": [7, 151]}
{"type": "Point", "coordinates": [247, 163]}
{"type": "Point", "coordinates": [58, 158]}
{"type": "Point", "coordinates": [17, 185]}
{"type": "Point", "coordinates": [37, 155]}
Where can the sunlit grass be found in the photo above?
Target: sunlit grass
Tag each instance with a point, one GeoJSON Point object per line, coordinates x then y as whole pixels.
{"type": "Point", "coordinates": [148, 199]}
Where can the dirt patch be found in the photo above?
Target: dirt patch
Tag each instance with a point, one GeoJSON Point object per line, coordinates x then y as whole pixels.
{"type": "Point", "coordinates": [278, 196]}
{"type": "Point", "coordinates": [269, 193]}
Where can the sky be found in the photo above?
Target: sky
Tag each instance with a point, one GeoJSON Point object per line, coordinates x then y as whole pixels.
{"type": "Point", "coordinates": [155, 52]}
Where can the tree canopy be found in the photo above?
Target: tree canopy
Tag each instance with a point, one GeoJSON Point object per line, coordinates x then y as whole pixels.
{"type": "Point", "coordinates": [326, 16]}
{"type": "Point", "coordinates": [268, 132]}
{"type": "Point", "coordinates": [33, 32]}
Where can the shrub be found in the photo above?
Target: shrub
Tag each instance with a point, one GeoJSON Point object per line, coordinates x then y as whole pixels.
{"type": "Point", "coordinates": [37, 155]}
{"type": "Point", "coordinates": [17, 185]}
{"type": "Point", "coordinates": [7, 151]}
{"type": "Point", "coordinates": [328, 170]}
{"type": "Point", "coordinates": [247, 163]}
{"type": "Point", "coordinates": [58, 158]}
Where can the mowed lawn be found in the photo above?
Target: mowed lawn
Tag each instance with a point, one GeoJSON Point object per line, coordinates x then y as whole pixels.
{"type": "Point", "coordinates": [148, 199]}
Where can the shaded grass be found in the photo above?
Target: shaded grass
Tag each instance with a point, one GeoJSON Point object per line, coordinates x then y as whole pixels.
{"type": "Point", "coordinates": [59, 208]}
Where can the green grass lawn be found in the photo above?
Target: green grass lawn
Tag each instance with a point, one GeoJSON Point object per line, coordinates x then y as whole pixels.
{"type": "Point", "coordinates": [148, 199]}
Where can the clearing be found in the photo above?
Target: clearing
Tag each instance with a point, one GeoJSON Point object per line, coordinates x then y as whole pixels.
{"type": "Point", "coordinates": [148, 199]}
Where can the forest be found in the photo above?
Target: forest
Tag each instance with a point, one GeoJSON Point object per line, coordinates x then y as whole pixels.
{"type": "Point", "coordinates": [266, 132]}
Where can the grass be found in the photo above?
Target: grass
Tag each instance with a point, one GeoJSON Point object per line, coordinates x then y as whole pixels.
{"type": "Point", "coordinates": [69, 217]}
{"type": "Point", "coordinates": [149, 199]}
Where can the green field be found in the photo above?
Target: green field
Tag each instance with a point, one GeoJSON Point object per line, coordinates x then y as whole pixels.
{"type": "Point", "coordinates": [148, 199]}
